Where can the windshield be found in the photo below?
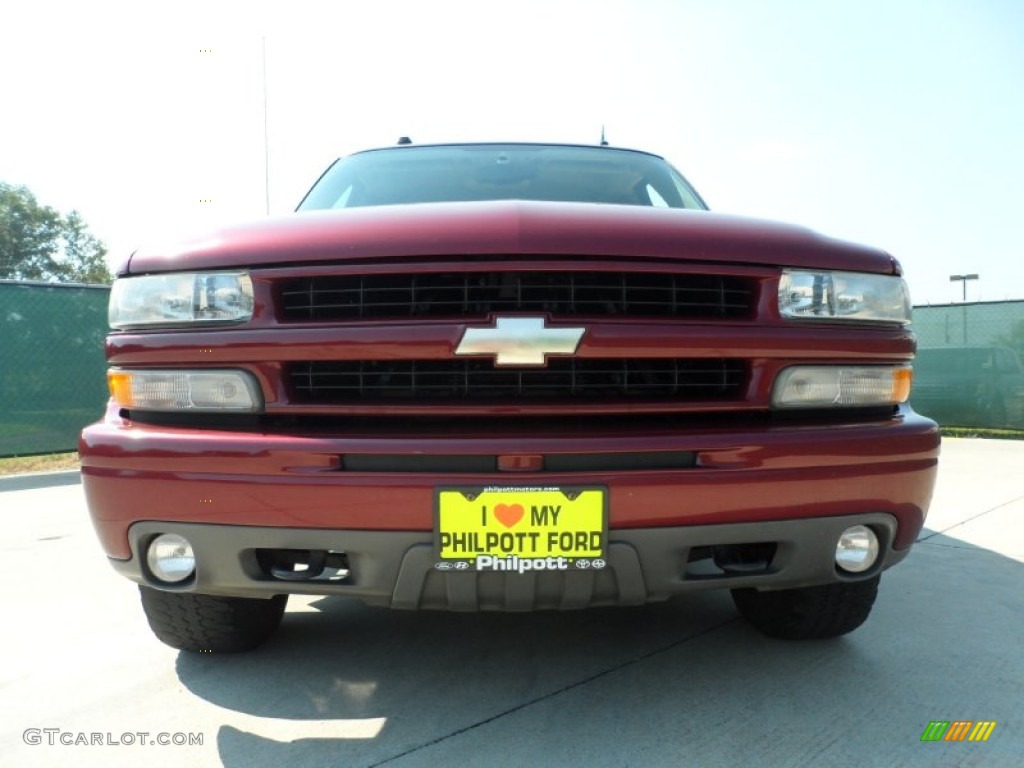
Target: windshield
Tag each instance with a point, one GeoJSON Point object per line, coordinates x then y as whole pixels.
{"type": "Point", "coordinates": [432, 174]}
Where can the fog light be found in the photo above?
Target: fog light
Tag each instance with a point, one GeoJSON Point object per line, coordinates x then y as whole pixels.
{"type": "Point", "coordinates": [857, 549]}
{"type": "Point", "coordinates": [170, 558]}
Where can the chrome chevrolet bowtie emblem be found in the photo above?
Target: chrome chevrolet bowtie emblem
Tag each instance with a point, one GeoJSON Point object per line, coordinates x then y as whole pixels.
{"type": "Point", "coordinates": [520, 341]}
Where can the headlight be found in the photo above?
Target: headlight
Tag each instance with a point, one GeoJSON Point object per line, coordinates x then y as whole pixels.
{"type": "Point", "coordinates": [852, 296]}
{"type": "Point", "coordinates": [838, 386]}
{"type": "Point", "coordinates": [180, 298]}
{"type": "Point", "coordinates": [205, 390]}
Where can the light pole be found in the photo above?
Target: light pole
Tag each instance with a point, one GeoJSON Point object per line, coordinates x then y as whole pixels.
{"type": "Point", "coordinates": [266, 133]}
{"type": "Point", "coordinates": [963, 280]}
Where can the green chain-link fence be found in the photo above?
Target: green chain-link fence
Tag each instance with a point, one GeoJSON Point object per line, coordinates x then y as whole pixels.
{"type": "Point", "coordinates": [52, 381]}
{"type": "Point", "coordinates": [968, 371]}
{"type": "Point", "coordinates": [52, 371]}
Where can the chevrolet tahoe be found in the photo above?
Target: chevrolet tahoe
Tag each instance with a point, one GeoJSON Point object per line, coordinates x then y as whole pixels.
{"type": "Point", "coordinates": [507, 377]}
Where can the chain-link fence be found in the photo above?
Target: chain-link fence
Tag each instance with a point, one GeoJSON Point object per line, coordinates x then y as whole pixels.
{"type": "Point", "coordinates": [52, 371]}
{"type": "Point", "coordinates": [968, 371]}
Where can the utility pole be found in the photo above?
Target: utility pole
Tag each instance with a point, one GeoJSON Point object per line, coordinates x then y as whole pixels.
{"type": "Point", "coordinates": [266, 134]}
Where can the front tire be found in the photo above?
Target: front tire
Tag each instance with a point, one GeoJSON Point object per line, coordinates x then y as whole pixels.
{"type": "Point", "coordinates": [210, 623]}
{"type": "Point", "coordinates": [808, 613]}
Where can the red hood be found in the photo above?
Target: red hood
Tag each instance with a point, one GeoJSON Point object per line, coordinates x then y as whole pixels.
{"type": "Point", "coordinates": [509, 227]}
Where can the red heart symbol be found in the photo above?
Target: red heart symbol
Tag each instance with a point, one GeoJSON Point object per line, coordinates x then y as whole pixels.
{"type": "Point", "coordinates": [508, 514]}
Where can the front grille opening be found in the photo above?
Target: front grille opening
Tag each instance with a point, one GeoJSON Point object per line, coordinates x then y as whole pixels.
{"type": "Point", "coordinates": [303, 565]}
{"type": "Point", "coordinates": [475, 380]}
{"type": "Point", "coordinates": [478, 294]}
{"type": "Point", "coordinates": [725, 560]}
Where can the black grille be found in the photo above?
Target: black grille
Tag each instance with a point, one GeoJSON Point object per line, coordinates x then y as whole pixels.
{"type": "Point", "coordinates": [563, 379]}
{"type": "Point", "coordinates": [451, 294]}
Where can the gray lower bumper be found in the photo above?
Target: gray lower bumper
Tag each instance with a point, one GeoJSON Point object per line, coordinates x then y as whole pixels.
{"type": "Point", "coordinates": [397, 568]}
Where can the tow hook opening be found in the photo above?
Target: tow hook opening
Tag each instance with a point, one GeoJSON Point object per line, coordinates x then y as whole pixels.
{"type": "Point", "coordinates": [725, 560]}
{"type": "Point", "coordinates": [303, 564]}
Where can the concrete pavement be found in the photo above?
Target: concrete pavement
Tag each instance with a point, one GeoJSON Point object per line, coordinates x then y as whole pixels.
{"type": "Point", "coordinates": [679, 684]}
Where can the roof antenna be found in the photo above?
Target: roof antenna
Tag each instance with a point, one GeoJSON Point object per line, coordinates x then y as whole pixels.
{"type": "Point", "coordinates": [402, 140]}
{"type": "Point", "coordinates": [604, 141]}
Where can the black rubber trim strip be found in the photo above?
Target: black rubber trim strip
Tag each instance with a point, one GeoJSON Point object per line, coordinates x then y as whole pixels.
{"type": "Point", "coordinates": [484, 464]}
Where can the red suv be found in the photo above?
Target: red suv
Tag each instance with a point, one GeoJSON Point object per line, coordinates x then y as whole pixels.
{"type": "Point", "coordinates": [507, 377]}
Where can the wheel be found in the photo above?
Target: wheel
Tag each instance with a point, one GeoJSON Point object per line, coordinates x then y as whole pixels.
{"type": "Point", "coordinates": [209, 623]}
{"type": "Point", "coordinates": [809, 612]}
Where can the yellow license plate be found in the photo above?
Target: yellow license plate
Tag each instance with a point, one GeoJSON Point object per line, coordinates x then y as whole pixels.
{"type": "Point", "coordinates": [521, 529]}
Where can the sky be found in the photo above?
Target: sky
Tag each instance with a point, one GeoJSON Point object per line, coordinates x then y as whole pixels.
{"type": "Point", "coordinates": [896, 123]}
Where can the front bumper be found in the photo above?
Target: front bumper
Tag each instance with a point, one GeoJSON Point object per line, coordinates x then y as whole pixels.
{"type": "Point", "coordinates": [397, 569]}
{"type": "Point", "coordinates": [236, 491]}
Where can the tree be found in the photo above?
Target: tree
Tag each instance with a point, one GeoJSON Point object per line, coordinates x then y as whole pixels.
{"type": "Point", "coordinates": [37, 242]}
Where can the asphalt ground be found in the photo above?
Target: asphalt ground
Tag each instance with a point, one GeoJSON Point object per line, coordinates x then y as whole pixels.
{"type": "Point", "coordinates": [685, 683]}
